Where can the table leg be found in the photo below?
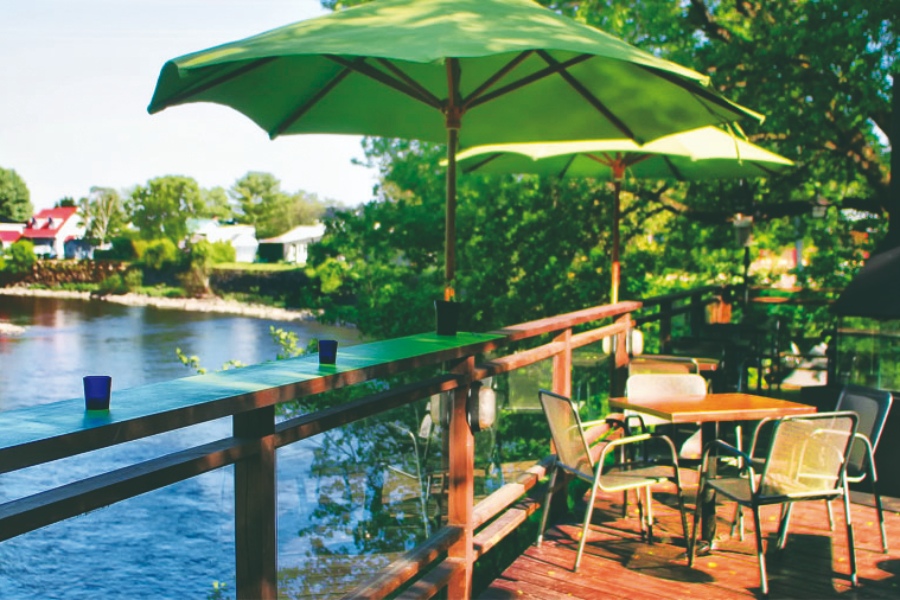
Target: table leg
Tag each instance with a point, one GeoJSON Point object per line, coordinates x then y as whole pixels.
{"type": "Point", "coordinates": [709, 432]}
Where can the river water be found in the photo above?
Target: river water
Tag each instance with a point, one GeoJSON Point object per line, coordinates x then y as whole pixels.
{"type": "Point", "coordinates": [170, 543]}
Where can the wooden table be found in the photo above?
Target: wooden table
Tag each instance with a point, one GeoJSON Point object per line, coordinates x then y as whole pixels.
{"type": "Point", "coordinates": [704, 365]}
{"type": "Point", "coordinates": [709, 411]}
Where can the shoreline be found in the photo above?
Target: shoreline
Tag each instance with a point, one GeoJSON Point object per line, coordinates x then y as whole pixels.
{"type": "Point", "coordinates": [208, 305]}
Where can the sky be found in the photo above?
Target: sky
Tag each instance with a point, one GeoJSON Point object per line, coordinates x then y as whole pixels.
{"type": "Point", "coordinates": [77, 76]}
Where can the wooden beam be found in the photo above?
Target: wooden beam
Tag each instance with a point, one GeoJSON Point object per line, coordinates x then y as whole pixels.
{"type": "Point", "coordinates": [255, 535]}
{"type": "Point", "coordinates": [461, 493]}
{"type": "Point", "coordinates": [407, 567]}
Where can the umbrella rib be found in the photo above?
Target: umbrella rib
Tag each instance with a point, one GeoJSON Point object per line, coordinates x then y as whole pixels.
{"type": "Point", "coordinates": [490, 81]}
{"type": "Point", "coordinates": [303, 109]}
{"type": "Point", "coordinates": [409, 81]}
{"type": "Point", "coordinates": [697, 90]}
{"type": "Point", "coordinates": [587, 95]}
{"type": "Point", "coordinates": [477, 166]}
{"type": "Point", "coordinates": [529, 79]}
{"type": "Point", "coordinates": [673, 168]}
{"type": "Point", "coordinates": [566, 167]}
{"type": "Point", "coordinates": [381, 77]}
{"type": "Point", "coordinates": [216, 81]}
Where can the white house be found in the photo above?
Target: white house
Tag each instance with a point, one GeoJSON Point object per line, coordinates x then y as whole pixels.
{"type": "Point", "coordinates": [49, 230]}
{"type": "Point", "coordinates": [293, 246]}
{"type": "Point", "coordinates": [241, 237]}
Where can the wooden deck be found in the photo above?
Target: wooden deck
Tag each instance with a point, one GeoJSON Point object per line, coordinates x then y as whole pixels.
{"type": "Point", "coordinates": [618, 565]}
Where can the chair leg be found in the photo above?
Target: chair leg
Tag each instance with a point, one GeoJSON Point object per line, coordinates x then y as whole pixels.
{"type": "Point", "coordinates": [830, 515]}
{"type": "Point", "coordinates": [547, 497]}
{"type": "Point", "coordinates": [587, 520]}
{"type": "Point", "coordinates": [649, 515]}
{"type": "Point", "coordinates": [784, 524]}
{"type": "Point", "coordinates": [760, 554]}
{"type": "Point", "coordinates": [737, 522]}
{"type": "Point", "coordinates": [684, 525]}
{"type": "Point", "coordinates": [878, 507]}
{"type": "Point", "coordinates": [851, 548]}
{"type": "Point", "coordinates": [692, 542]}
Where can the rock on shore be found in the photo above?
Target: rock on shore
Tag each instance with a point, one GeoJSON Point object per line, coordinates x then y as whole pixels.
{"type": "Point", "coordinates": [216, 305]}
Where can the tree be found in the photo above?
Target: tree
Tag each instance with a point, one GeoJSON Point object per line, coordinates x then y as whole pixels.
{"type": "Point", "coordinates": [161, 209]}
{"type": "Point", "coordinates": [272, 211]}
{"type": "Point", "coordinates": [216, 204]}
{"type": "Point", "coordinates": [15, 200]}
{"type": "Point", "coordinates": [102, 214]}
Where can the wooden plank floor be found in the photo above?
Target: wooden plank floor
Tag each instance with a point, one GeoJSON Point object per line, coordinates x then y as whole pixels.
{"type": "Point", "coordinates": [618, 565]}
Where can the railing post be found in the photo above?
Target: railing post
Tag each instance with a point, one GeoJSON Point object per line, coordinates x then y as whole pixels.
{"type": "Point", "coordinates": [461, 500]}
{"type": "Point", "coordinates": [255, 537]}
{"type": "Point", "coordinates": [665, 325]}
{"type": "Point", "coordinates": [620, 359]}
{"type": "Point", "coordinates": [562, 366]}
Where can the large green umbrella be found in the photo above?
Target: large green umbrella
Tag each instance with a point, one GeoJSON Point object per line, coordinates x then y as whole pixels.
{"type": "Point", "coordinates": [704, 153]}
{"type": "Point", "coordinates": [475, 71]}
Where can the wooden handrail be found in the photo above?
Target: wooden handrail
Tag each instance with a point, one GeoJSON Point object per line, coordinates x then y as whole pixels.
{"type": "Point", "coordinates": [36, 435]}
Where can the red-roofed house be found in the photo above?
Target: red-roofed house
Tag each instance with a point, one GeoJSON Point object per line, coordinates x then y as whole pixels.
{"type": "Point", "coordinates": [51, 228]}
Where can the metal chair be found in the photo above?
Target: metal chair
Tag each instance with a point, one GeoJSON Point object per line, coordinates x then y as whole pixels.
{"type": "Point", "coordinates": [807, 460]}
{"type": "Point", "coordinates": [574, 456]}
{"type": "Point", "coordinates": [661, 385]}
{"type": "Point", "coordinates": [872, 406]}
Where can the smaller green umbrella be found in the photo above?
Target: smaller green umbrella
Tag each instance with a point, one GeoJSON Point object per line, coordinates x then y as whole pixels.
{"type": "Point", "coordinates": [705, 153]}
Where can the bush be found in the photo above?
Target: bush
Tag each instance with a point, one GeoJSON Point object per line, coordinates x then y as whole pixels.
{"type": "Point", "coordinates": [160, 254]}
{"type": "Point", "coordinates": [20, 259]}
{"type": "Point", "coordinates": [205, 254]}
{"type": "Point", "coordinates": [123, 248]}
{"type": "Point", "coordinates": [117, 284]}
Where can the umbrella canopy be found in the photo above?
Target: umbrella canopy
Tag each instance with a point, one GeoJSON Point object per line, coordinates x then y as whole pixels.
{"type": "Point", "coordinates": [480, 71]}
{"type": "Point", "coordinates": [704, 153]}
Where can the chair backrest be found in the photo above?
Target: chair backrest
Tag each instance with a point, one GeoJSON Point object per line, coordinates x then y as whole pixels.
{"type": "Point", "coordinates": [872, 406]}
{"type": "Point", "coordinates": [660, 385]}
{"type": "Point", "coordinates": [662, 365]}
{"type": "Point", "coordinates": [568, 436]}
{"type": "Point", "coordinates": [807, 455]}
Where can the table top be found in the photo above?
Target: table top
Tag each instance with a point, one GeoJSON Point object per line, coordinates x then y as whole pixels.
{"type": "Point", "coordinates": [713, 407]}
{"type": "Point", "coordinates": [703, 363]}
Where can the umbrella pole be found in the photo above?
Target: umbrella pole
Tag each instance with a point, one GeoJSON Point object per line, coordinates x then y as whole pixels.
{"type": "Point", "coordinates": [617, 187]}
{"type": "Point", "coordinates": [450, 228]}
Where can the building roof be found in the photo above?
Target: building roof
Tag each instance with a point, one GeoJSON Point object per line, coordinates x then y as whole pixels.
{"type": "Point", "coordinates": [9, 236]}
{"type": "Point", "coordinates": [48, 222]}
{"type": "Point", "coordinates": [303, 233]}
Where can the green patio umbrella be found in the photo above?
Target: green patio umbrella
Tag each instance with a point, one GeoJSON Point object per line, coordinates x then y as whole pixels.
{"type": "Point", "coordinates": [703, 153]}
{"type": "Point", "coordinates": [460, 71]}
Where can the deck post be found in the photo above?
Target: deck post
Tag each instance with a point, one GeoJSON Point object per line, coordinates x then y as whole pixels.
{"type": "Point", "coordinates": [697, 314]}
{"type": "Point", "coordinates": [255, 537]}
{"type": "Point", "coordinates": [620, 359]}
{"type": "Point", "coordinates": [461, 499]}
{"type": "Point", "coordinates": [562, 366]}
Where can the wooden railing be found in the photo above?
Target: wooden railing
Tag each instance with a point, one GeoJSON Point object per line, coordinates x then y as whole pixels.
{"type": "Point", "coordinates": [37, 435]}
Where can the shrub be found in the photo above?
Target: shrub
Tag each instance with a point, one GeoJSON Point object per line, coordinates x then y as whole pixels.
{"type": "Point", "coordinates": [160, 254]}
{"type": "Point", "coordinates": [20, 259]}
{"type": "Point", "coordinates": [123, 248]}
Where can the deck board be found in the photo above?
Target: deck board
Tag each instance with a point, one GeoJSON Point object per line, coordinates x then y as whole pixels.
{"type": "Point", "coordinates": [619, 565]}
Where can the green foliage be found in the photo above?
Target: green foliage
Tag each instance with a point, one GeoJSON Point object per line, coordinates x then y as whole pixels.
{"type": "Point", "coordinates": [15, 199]}
{"type": "Point", "coordinates": [20, 258]}
{"type": "Point", "coordinates": [161, 208]}
{"type": "Point", "coordinates": [102, 213]}
{"type": "Point", "coordinates": [159, 254]}
{"type": "Point", "coordinates": [121, 284]}
{"type": "Point", "coordinates": [216, 204]}
{"type": "Point", "coordinates": [205, 254]}
{"type": "Point", "coordinates": [272, 211]}
{"type": "Point", "coordinates": [123, 248]}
